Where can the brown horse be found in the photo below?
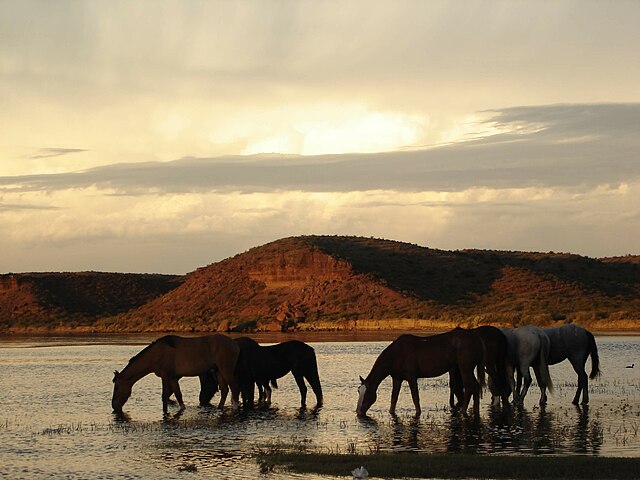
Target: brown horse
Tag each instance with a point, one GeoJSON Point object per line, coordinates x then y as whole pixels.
{"type": "Point", "coordinates": [264, 364]}
{"type": "Point", "coordinates": [209, 382]}
{"type": "Point", "coordinates": [410, 357]}
{"type": "Point", "coordinates": [496, 351]}
{"type": "Point", "coordinates": [171, 358]}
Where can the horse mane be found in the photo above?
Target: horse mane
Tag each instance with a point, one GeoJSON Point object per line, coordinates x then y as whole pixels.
{"type": "Point", "coordinates": [169, 340]}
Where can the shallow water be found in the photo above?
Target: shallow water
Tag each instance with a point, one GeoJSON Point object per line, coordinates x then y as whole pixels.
{"type": "Point", "coordinates": [56, 416]}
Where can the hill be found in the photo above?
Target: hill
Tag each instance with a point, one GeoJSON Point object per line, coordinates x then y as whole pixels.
{"type": "Point", "coordinates": [73, 301]}
{"type": "Point", "coordinates": [333, 283]}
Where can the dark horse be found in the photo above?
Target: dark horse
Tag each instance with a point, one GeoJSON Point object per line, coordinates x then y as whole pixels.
{"type": "Point", "coordinates": [410, 357]}
{"type": "Point", "coordinates": [262, 365]}
{"type": "Point", "coordinates": [575, 344]}
{"type": "Point", "coordinates": [495, 360]}
{"type": "Point", "coordinates": [171, 358]}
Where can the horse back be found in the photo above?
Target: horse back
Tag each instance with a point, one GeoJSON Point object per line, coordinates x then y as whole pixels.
{"type": "Point", "coordinates": [567, 341]}
{"type": "Point", "coordinates": [420, 357]}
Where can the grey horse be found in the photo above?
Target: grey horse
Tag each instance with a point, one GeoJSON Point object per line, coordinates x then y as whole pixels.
{"type": "Point", "coordinates": [574, 343]}
{"type": "Point", "coordinates": [528, 346]}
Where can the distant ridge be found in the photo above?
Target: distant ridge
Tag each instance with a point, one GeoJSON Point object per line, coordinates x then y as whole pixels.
{"type": "Point", "coordinates": [73, 301]}
{"type": "Point", "coordinates": [338, 283]}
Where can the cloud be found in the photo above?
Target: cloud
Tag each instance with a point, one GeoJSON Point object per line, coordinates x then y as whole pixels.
{"type": "Point", "coordinates": [7, 207]}
{"type": "Point", "coordinates": [54, 152]}
{"type": "Point", "coordinates": [542, 146]}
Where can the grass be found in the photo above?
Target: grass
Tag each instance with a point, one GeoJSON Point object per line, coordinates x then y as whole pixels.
{"type": "Point", "coordinates": [387, 465]}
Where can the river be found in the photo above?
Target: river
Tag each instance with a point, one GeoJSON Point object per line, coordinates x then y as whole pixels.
{"type": "Point", "coordinates": [56, 419]}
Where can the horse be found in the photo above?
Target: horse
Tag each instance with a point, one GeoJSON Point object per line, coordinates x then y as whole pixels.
{"type": "Point", "coordinates": [495, 360]}
{"type": "Point", "coordinates": [209, 383]}
{"type": "Point", "coordinates": [171, 358]}
{"type": "Point", "coordinates": [575, 344]}
{"type": "Point", "coordinates": [410, 357]}
{"type": "Point", "coordinates": [262, 365]}
{"type": "Point", "coordinates": [528, 346]}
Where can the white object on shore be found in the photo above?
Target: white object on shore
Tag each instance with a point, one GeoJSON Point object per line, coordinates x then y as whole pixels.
{"type": "Point", "coordinates": [360, 473]}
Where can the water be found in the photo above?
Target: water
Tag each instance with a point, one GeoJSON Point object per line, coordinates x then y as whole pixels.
{"type": "Point", "coordinates": [56, 419]}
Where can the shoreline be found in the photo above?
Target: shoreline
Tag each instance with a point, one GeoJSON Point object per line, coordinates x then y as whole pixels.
{"type": "Point", "coordinates": [317, 336]}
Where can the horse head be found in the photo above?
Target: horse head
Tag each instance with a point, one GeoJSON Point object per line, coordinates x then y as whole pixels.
{"type": "Point", "coordinates": [121, 391]}
{"type": "Point", "coordinates": [366, 397]}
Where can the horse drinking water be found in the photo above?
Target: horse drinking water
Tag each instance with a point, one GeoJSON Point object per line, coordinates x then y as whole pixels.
{"type": "Point", "coordinates": [575, 344]}
{"type": "Point", "coordinates": [528, 346]}
{"type": "Point", "coordinates": [496, 348]}
{"type": "Point", "coordinates": [171, 358]}
{"type": "Point", "coordinates": [263, 365]}
{"type": "Point", "coordinates": [410, 357]}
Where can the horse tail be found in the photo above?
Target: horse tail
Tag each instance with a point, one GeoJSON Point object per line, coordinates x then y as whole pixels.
{"type": "Point", "coordinates": [544, 365]}
{"type": "Point", "coordinates": [501, 364]}
{"type": "Point", "coordinates": [312, 375]}
{"type": "Point", "coordinates": [595, 360]}
{"type": "Point", "coordinates": [274, 384]}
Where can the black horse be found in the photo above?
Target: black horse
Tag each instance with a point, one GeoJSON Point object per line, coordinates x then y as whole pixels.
{"type": "Point", "coordinates": [263, 365]}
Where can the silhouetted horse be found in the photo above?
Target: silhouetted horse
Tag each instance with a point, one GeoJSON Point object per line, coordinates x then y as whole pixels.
{"type": "Point", "coordinates": [575, 344]}
{"type": "Point", "coordinates": [209, 382]}
{"type": "Point", "coordinates": [410, 357]}
{"type": "Point", "coordinates": [495, 361]}
{"type": "Point", "coordinates": [171, 358]}
{"type": "Point", "coordinates": [262, 365]}
{"type": "Point", "coordinates": [528, 347]}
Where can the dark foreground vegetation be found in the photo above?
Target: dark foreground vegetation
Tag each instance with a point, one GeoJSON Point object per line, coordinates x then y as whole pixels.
{"type": "Point", "coordinates": [402, 465]}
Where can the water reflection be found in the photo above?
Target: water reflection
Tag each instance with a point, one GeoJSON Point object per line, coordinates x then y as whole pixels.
{"type": "Point", "coordinates": [511, 430]}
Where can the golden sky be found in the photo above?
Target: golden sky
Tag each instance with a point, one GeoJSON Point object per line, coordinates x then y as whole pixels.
{"type": "Point", "coordinates": [165, 135]}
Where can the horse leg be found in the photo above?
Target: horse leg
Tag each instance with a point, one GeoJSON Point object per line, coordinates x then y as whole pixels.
{"type": "Point", "coordinates": [395, 392]}
{"type": "Point", "coordinates": [519, 388]}
{"type": "Point", "coordinates": [166, 393]}
{"type": "Point", "coordinates": [511, 386]}
{"type": "Point", "coordinates": [301, 386]}
{"type": "Point", "coordinates": [583, 382]}
{"type": "Point", "coordinates": [311, 374]}
{"type": "Point", "coordinates": [526, 375]}
{"type": "Point", "coordinates": [267, 393]}
{"type": "Point", "coordinates": [471, 387]}
{"type": "Point", "coordinates": [456, 389]}
{"type": "Point", "coordinates": [415, 395]}
{"type": "Point", "coordinates": [224, 391]}
{"type": "Point", "coordinates": [542, 384]}
{"type": "Point", "coordinates": [175, 386]}
{"type": "Point", "coordinates": [261, 395]}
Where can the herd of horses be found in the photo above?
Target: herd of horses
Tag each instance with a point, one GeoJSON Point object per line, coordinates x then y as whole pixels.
{"type": "Point", "coordinates": [468, 355]}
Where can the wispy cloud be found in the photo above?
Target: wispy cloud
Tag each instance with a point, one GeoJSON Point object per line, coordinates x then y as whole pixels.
{"type": "Point", "coordinates": [54, 152]}
{"type": "Point", "coordinates": [8, 207]}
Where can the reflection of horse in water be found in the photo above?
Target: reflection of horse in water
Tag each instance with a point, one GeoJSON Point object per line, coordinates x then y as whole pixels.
{"type": "Point", "coordinates": [410, 357]}
{"type": "Point", "coordinates": [528, 346]}
{"type": "Point", "coordinates": [171, 358]}
{"type": "Point", "coordinates": [263, 365]}
{"type": "Point", "coordinates": [495, 360]}
{"type": "Point", "coordinates": [574, 343]}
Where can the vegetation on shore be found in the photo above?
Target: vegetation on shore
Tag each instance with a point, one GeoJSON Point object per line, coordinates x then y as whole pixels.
{"type": "Point", "coordinates": [401, 465]}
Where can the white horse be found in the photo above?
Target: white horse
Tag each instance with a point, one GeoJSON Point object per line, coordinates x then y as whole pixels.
{"type": "Point", "coordinates": [528, 346]}
{"type": "Point", "coordinates": [575, 344]}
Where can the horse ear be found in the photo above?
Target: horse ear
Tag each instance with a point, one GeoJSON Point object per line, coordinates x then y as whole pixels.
{"type": "Point", "coordinates": [361, 380]}
{"type": "Point", "coordinates": [115, 374]}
